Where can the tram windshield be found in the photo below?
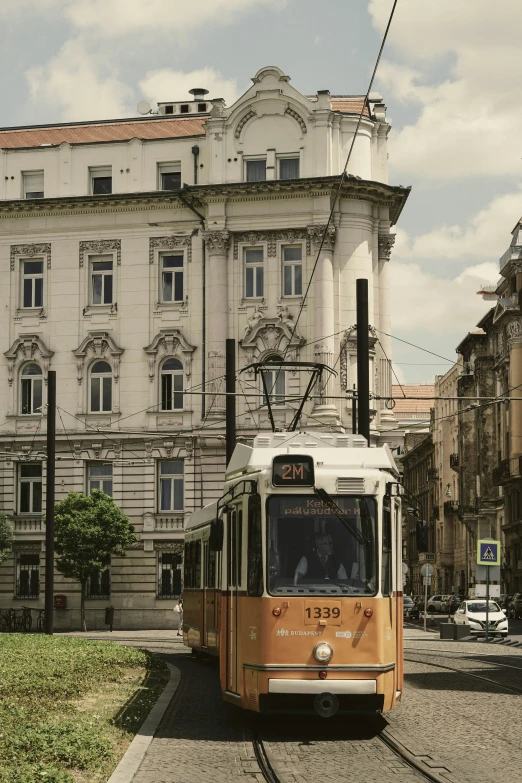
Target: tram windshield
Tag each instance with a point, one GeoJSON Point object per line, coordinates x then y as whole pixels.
{"type": "Point", "coordinates": [312, 549]}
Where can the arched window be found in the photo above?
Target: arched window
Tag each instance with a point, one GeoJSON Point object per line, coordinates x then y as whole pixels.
{"type": "Point", "coordinates": [275, 381]}
{"type": "Point", "coordinates": [171, 385]}
{"type": "Point", "coordinates": [31, 392]}
{"type": "Point", "coordinates": [101, 387]}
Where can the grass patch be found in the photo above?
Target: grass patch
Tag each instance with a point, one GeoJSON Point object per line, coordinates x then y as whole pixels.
{"type": "Point", "coordinates": [69, 707]}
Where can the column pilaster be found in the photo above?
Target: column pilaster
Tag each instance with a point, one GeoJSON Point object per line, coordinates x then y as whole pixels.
{"type": "Point", "coordinates": [325, 409]}
{"type": "Point", "coordinates": [217, 243]}
{"type": "Point", "coordinates": [385, 245]}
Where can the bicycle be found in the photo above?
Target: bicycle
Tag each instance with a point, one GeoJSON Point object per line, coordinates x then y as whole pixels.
{"type": "Point", "coordinates": [4, 621]}
{"type": "Point", "coordinates": [40, 621]}
{"type": "Point", "coordinates": [27, 618]}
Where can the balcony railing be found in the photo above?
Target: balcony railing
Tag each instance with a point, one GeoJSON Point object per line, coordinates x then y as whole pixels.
{"type": "Point", "coordinates": [168, 523]}
{"type": "Point", "coordinates": [433, 473]}
{"type": "Point", "coordinates": [454, 461]}
{"type": "Point", "coordinates": [501, 473]}
{"type": "Point", "coordinates": [451, 506]}
{"type": "Point", "coordinates": [28, 525]}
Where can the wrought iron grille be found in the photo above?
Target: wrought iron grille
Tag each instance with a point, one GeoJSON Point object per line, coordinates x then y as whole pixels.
{"type": "Point", "coordinates": [99, 585]}
{"type": "Point", "coordinates": [28, 576]}
{"type": "Point", "coordinates": [169, 576]}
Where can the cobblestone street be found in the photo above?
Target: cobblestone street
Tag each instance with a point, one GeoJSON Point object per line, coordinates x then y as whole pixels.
{"type": "Point", "coordinates": [464, 724]}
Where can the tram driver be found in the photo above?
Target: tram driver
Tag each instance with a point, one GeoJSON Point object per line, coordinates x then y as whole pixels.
{"type": "Point", "coordinates": [319, 562]}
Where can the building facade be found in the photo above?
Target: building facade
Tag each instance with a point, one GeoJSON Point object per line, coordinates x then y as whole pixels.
{"type": "Point", "coordinates": [419, 505]}
{"type": "Point", "coordinates": [130, 250]}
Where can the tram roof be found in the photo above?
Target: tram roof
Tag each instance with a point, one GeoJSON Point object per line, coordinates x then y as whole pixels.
{"type": "Point", "coordinates": [333, 450]}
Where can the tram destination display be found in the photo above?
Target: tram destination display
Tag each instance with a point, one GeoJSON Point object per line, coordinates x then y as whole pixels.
{"type": "Point", "coordinates": [291, 470]}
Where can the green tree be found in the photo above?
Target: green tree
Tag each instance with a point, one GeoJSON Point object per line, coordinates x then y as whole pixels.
{"type": "Point", "coordinates": [6, 538]}
{"type": "Point", "coordinates": [88, 530]}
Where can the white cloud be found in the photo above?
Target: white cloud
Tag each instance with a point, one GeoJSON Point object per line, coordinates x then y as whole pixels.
{"type": "Point", "coordinates": [423, 302]}
{"type": "Point", "coordinates": [466, 121]}
{"type": "Point", "coordinates": [167, 84]}
{"type": "Point", "coordinates": [485, 236]}
{"type": "Point", "coordinates": [115, 18]}
{"type": "Point", "coordinates": [79, 84]}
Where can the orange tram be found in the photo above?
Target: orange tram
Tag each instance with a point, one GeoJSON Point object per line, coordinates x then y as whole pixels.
{"type": "Point", "coordinates": [293, 578]}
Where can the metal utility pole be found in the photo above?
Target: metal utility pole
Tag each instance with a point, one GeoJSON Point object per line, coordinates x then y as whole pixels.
{"type": "Point", "coordinates": [354, 410]}
{"type": "Point", "coordinates": [230, 403]}
{"type": "Point", "coordinates": [363, 359]}
{"type": "Point", "coordinates": [49, 502]}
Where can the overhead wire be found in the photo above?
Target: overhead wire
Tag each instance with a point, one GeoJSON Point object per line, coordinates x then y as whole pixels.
{"type": "Point", "coordinates": [341, 180]}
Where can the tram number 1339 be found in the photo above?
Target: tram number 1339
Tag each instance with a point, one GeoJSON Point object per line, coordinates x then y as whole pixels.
{"type": "Point", "coordinates": [323, 613]}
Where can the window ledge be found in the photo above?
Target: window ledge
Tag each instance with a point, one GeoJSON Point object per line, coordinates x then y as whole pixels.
{"type": "Point", "coordinates": [26, 416]}
{"type": "Point", "coordinates": [173, 412]}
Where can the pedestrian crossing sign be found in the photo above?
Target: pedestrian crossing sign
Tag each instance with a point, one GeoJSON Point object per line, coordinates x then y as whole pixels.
{"type": "Point", "coordinates": [488, 552]}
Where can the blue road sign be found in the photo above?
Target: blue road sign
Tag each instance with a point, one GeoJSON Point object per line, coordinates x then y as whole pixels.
{"type": "Point", "coordinates": [488, 552]}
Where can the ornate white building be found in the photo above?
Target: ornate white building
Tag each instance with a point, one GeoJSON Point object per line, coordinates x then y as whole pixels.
{"type": "Point", "coordinates": [129, 251]}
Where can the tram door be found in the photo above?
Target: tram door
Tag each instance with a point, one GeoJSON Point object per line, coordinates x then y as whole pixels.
{"type": "Point", "coordinates": [235, 519]}
{"type": "Point", "coordinates": [209, 599]}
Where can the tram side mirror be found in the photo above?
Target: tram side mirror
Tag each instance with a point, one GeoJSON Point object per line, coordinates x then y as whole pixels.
{"type": "Point", "coordinates": [215, 540]}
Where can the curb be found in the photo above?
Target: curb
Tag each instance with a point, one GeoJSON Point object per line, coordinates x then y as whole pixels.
{"type": "Point", "coordinates": [135, 753]}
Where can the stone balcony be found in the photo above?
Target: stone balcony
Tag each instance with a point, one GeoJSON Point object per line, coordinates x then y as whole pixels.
{"type": "Point", "coordinates": [28, 527]}
{"type": "Point", "coordinates": [163, 525]}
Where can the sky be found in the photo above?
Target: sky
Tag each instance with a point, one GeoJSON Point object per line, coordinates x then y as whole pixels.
{"type": "Point", "coordinates": [450, 76]}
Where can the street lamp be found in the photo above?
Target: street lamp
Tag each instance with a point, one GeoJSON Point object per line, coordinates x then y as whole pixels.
{"type": "Point", "coordinates": [448, 491]}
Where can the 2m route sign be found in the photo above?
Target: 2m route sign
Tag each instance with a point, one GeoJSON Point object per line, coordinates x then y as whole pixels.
{"type": "Point", "coordinates": [488, 552]}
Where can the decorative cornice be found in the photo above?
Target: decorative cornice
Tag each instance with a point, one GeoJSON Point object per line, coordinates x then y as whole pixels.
{"type": "Point", "coordinates": [378, 193]}
{"type": "Point", "coordinates": [21, 251]}
{"type": "Point", "coordinates": [216, 241]}
{"type": "Point", "coordinates": [100, 246]}
{"type": "Point", "coordinates": [386, 243]}
{"type": "Point", "coordinates": [170, 243]}
{"type": "Point", "coordinates": [271, 238]}
{"type": "Point", "coordinates": [316, 234]}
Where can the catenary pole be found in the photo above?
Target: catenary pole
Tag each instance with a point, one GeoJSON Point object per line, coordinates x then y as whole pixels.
{"type": "Point", "coordinates": [230, 404]}
{"type": "Point", "coordinates": [49, 502]}
{"type": "Point", "coordinates": [363, 359]}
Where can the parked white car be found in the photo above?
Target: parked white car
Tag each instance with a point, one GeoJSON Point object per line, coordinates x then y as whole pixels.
{"type": "Point", "coordinates": [436, 603]}
{"type": "Point", "coordinates": [473, 613]}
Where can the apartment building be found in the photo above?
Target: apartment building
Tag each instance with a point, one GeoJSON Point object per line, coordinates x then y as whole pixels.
{"type": "Point", "coordinates": [130, 250]}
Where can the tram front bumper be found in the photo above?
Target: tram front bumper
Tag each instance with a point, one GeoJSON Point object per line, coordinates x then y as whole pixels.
{"type": "Point", "coordinates": [309, 697]}
{"type": "Point", "coordinates": [354, 687]}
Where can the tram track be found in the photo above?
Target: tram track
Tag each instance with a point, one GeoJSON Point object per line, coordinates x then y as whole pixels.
{"type": "Point", "coordinates": [465, 673]}
{"type": "Point", "coordinates": [411, 760]}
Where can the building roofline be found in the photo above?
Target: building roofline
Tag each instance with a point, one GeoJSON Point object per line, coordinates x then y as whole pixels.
{"type": "Point", "coordinates": [148, 118]}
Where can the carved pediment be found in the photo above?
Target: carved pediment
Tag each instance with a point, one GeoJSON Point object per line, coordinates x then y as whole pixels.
{"type": "Point", "coordinates": [271, 335]}
{"type": "Point", "coordinates": [98, 345]}
{"type": "Point", "coordinates": [504, 306]}
{"type": "Point", "coordinates": [169, 342]}
{"type": "Point", "coordinates": [24, 348]}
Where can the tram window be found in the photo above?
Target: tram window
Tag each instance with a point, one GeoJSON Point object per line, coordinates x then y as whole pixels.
{"type": "Point", "coordinates": [239, 545]}
{"type": "Point", "coordinates": [197, 564]}
{"type": "Point", "coordinates": [311, 550]}
{"type": "Point", "coordinates": [386, 567]}
{"type": "Point", "coordinates": [187, 575]}
{"type": "Point", "coordinates": [255, 551]}
{"type": "Point", "coordinates": [210, 578]}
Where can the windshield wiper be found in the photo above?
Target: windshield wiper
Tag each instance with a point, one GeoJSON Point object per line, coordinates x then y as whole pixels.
{"type": "Point", "coordinates": [339, 513]}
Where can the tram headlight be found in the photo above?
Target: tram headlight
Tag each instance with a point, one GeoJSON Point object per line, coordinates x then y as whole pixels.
{"type": "Point", "coordinates": [323, 652]}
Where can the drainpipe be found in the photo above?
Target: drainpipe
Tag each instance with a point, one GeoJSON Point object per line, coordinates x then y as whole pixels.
{"type": "Point", "coordinates": [185, 189]}
{"type": "Point", "coordinates": [195, 152]}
